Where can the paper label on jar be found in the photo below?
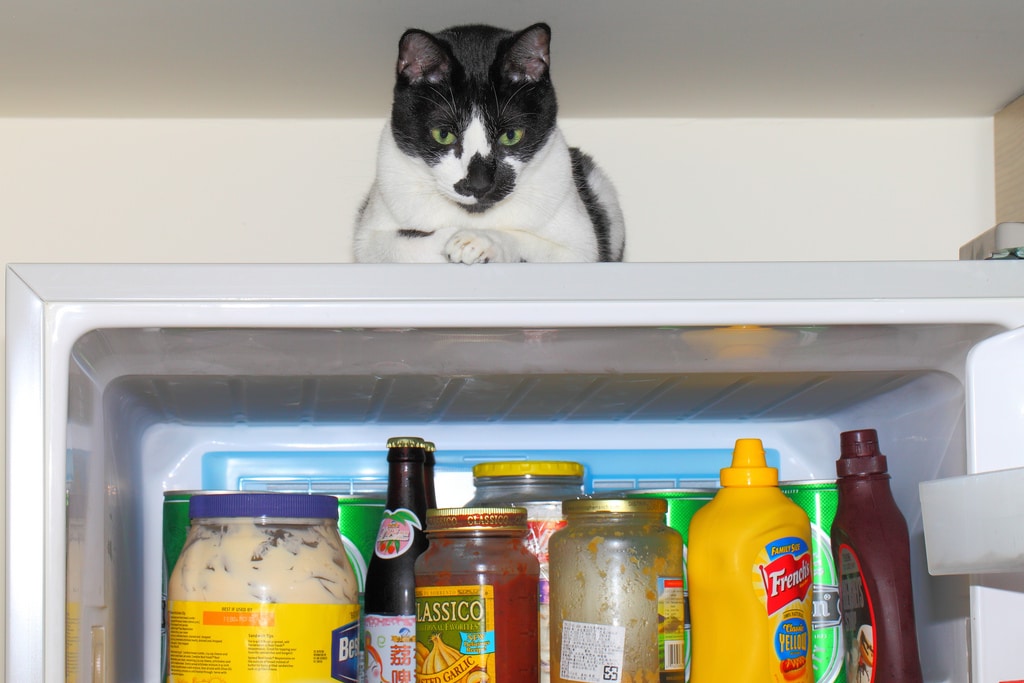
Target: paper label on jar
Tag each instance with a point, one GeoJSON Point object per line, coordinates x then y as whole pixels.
{"type": "Point", "coordinates": [455, 634]}
{"type": "Point", "coordinates": [229, 641]}
{"type": "Point", "coordinates": [673, 641]}
{"type": "Point", "coordinates": [538, 533]}
{"type": "Point", "coordinates": [591, 653]}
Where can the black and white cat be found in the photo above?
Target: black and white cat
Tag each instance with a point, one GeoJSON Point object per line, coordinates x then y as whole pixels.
{"type": "Point", "coordinates": [472, 167]}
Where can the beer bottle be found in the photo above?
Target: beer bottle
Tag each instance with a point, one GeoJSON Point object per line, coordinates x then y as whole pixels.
{"type": "Point", "coordinates": [389, 634]}
{"type": "Point", "coordinates": [428, 474]}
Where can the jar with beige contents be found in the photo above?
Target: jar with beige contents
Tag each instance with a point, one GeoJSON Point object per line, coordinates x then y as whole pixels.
{"type": "Point", "coordinates": [263, 591]}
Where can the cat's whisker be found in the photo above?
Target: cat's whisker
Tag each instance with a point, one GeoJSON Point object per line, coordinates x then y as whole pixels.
{"type": "Point", "coordinates": [449, 102]}
{"type": "Point", "coordinates": [520, 89]}
{"type": "Point", "coordinates": [442, 103]}
{"type": "Point", "coordinates": [498, 109]}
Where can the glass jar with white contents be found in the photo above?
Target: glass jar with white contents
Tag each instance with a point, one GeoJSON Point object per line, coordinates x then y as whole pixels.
{"type": "Point", "coordinates": [263, 591]}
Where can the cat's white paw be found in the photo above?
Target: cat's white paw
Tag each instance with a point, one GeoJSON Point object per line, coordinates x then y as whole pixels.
{"type": "Point", "coordinates": [472, 247]}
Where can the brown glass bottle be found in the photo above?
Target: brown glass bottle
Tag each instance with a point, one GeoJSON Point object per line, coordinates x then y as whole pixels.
{"type": "Point", "coordinates": [871, 548]}
{"type": "Point", "coordinates": [428, 473]}
{"type": "Point", "coordinates": [389, 621]}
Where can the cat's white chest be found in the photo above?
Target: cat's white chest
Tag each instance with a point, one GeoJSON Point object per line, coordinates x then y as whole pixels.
{"type": "Point", "coordinates": [411, 215]}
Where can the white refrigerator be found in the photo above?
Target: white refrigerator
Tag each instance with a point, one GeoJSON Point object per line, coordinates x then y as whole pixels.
{"type": "Point", "coordinates": [126, 381]}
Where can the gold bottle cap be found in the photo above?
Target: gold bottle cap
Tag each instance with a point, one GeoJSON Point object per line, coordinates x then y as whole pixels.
{"type": "Point", "coordinates": [405, 442]}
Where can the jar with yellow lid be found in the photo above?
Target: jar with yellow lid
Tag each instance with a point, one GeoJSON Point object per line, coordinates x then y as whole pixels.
{"type": "Point", "coordinates": [617, 598]}
{"type": "Point", "coordinates": [524, 481]}
{"type": "Point", "coordinates": [540, 486]}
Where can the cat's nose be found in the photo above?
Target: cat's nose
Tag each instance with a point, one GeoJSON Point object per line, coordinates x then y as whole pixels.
{"type": "Point", "coordinates": [479, 178]}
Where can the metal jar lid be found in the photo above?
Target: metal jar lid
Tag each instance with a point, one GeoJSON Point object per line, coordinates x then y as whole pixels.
{"type": "Point", "coordinates": [528, 468]}
{"type": "Point", "coordinates": [577, 506]}
{"type": "Point", "coordinates": [476, 519]}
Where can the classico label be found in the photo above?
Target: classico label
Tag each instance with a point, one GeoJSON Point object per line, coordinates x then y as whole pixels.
{"type": "Point", "coordinates": [455, 638]}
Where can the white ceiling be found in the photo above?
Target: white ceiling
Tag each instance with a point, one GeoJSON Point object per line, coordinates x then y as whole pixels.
{"type": "Point", "coordinates": [611, 58]}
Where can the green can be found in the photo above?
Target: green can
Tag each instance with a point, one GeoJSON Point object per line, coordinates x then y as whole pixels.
{"type": "Point", "coordinates": [820, 499]}
{"type": "Point", "coordinates": [359, 518]}
{"type": "Point", "coordinates": [176, 524]}
{"type": "Point", "coordinates": [682, 504]}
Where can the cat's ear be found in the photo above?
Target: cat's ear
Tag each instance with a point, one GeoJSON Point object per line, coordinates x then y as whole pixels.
{"type": "Point", "coordinates": [528, 56]}
{"type": "Point", "coordinates": [421, 58]}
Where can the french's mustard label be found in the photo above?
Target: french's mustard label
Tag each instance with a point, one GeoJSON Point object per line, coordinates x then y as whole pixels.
{"type": "Point", "coordinates": [783, 577]}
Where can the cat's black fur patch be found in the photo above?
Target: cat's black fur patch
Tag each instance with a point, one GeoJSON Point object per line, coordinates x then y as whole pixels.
{"type": "Point", "coordinates": [414, 234]}
{"type": "Point", "coordinates": [582, 165]}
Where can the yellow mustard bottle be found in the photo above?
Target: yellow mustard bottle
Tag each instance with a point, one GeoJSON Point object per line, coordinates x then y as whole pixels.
{"type": "Point", "coordinates": [749, 566]}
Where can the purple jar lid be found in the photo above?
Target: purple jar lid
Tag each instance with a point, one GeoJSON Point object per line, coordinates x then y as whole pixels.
{"type": "Point", "coordinates": [299, 505]}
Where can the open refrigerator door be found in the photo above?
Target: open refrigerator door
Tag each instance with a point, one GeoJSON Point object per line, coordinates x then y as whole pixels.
{"type": "Point", "coordinates": [125, 382]}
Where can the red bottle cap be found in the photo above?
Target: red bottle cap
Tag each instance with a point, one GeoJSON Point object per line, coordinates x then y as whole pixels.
{"type": "Point", "coordinates": [859, 454]}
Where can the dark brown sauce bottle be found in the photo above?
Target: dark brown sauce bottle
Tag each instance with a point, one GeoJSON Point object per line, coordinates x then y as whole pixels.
{"type": "Point", "coordinates": [871, 548]}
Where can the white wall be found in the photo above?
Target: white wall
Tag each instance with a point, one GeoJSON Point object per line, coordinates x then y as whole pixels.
{"type": "Point", "coordinates": [692, 190]}
{"type": "Point", "coordinates": [702, 190]}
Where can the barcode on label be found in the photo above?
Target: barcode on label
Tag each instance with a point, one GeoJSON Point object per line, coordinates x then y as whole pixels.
{"type": "Point", "coordinates": [674, 655]}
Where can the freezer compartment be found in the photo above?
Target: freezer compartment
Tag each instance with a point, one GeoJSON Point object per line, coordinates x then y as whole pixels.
{"type": "Point", "coordinates": [155, 409]}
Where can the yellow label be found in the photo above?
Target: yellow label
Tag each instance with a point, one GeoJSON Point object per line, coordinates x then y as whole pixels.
{"type": "Point", "coordinates": [231, 642]}
{"type": "Point", "coordinates": [455, 634]}
{"type": "Point", "coordinates": [72, 646]}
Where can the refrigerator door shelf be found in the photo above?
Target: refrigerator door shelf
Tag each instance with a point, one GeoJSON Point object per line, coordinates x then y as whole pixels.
{"type": "Point", "coordinates": [995, 243]}
{"type": "Point", "coordinates": [973, 523]}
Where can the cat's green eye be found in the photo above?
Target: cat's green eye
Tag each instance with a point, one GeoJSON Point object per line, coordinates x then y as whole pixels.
{"type": "Point", "coordinates": [443, 136]}
{"type": "Point", "coordinates": [511, 137]}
